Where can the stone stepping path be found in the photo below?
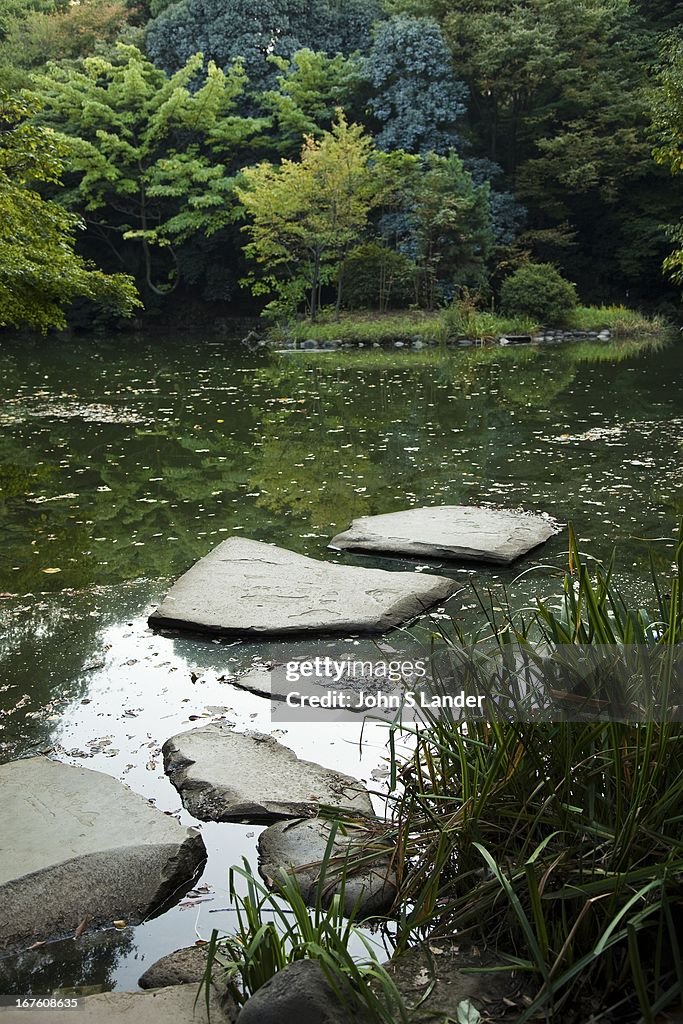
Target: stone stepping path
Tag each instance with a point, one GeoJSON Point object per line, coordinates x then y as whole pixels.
{"type": "Point", "coordinates": [299, 847]}
{"type": "Point", "coordinates": [222, 775]}
{"type": "Point", "coordinates": [80, 849]}
{"type": "Point", "coordinates": [246, 588]}
{"type": "Point", "coordinates": [454, 532]}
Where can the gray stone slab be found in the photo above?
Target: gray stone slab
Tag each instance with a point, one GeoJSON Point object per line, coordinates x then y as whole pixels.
{"type": "Point", "coordinates": [159, 1006]}
{"type": "Point", "coordinates": [222, 775]}
{"type": "Point", "coordinates": [244, 587]}
{"type": "Point", "coordinates": [458, 532]}
{"type": "Point", "coordinates": [299, 847]}
{"type": "Point", "coordinates": [77, 845]}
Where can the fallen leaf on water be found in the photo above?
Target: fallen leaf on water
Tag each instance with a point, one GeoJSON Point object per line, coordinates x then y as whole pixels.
{"type": "Point", "coordinates": [81, 928]}
{"type": "Point", "coordinates": [119, 924]}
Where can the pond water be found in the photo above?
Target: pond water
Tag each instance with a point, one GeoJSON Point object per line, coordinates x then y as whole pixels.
{"type": "Point", "coordinates": [123, 460]}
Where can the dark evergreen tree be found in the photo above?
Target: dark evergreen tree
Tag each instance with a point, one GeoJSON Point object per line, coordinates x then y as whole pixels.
{"type": "Point", "coordinates": [417, 99]}
{"type": "Point", "coordinates": [225, 29]}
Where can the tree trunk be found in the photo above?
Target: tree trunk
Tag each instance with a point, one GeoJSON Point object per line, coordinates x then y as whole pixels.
{"type": "Point", "coordinates": [340, 283]}
{"type": "Point", "coordinates": [148, 256]}
{"type": "Point", "coordinates": [315, 286]}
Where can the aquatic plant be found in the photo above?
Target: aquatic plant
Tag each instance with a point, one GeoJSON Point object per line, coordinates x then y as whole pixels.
{"type": "Point", "coordinates": [557, 843]}
{"type": "Point", "coordinates": [275, 928]}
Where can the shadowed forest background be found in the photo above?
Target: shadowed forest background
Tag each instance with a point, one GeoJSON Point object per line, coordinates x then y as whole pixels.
{"type": "Point", "coordinates": [299, 153]}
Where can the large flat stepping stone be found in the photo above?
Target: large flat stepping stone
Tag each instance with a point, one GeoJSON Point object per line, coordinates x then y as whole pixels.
{"type": "Point", "coordinates": [244, 587]}
{"type": "Point", "coordinates": [222, 775]}
{"type": "Point", "coordinates": [78, 846]}
{"type": "Point", "coordinates": [297, 848]}
{"type": "Point", "coordinates": [458, 532]}
{"type": "Point", "coordinates": [174, 1005]}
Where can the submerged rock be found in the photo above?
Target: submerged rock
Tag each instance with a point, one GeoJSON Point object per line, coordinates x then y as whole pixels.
{"type": "Point", "coordinates": [222, 775]}
{"type": "Point", "coordinates": [244, 587]}
{"type": "Point", "coordinates": [187, 967]}
{"type": "Point", "coordinates": [79, 849]}
{"type": "Point", "coordinates": [298, 848]}
{"type": "Point", "coordinates": [460, 532]}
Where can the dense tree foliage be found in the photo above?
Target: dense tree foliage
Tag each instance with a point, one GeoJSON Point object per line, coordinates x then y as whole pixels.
{"type": "Point", "coordinates": [152, 155]}
{"type": "Point", "coordinates": [502, 134]}
{"type": "Point", "coordinates": [306, 215]}
{"type": "Point", "coordinates": [668, 129]}
{"type": "Point", "coordinates": [39, 270]}
{"type": "Point", "coordinates": [310, 89]}
{"type": "Point", "coordinates": [40, 36]}
{"type": "Point", "coordinates": [225, 29]}
{"type": "Point", "coordinates": [416, 97]}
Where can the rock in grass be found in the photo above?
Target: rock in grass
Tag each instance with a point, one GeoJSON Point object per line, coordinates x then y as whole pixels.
{"type": "Point", "coordinates": [79, 849]}
{"type": "Point", "coordinates": [299, 847]}
{"type": "Point", "coordinates": [222, 775]}
{"type": "Point", "coordinates": [244, 587]}
{"type": "Point", "coordinates": [457, 532]}
{"type": "Point", "coordinates": [298, 994]}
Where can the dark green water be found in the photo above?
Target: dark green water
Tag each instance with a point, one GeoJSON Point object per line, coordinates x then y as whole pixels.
{"type": "Point", "coordinates": [124, 460]}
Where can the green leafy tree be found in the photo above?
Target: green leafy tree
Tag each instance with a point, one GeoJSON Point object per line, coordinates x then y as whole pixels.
{"type": "Point", "coordinates": [440, 220]}
{"type": "Point", "coordinates": [39, 36]}
{"type": "Point", "coordinates": [153, 158]}
{"type": "Point", "coordinates": [15, 10]}
{"type": "Point", "coordinates": [668, 131]}
{"type": "Point", "coordinates": [40, 272]}
{"type": "Point", "coordinates": [226, 29]}
{"type": "Point", "coordinates": [453, 228]}
{"type": "Point", "coordinates": [311, 87]}
{"type": "Point", "coordinates": [416, 98]}
{"type": "Point", "coordinates": [304, 216]}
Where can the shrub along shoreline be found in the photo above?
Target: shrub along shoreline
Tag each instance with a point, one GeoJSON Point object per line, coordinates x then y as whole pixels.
{"type": "Point", "coordinates": [460, 322]}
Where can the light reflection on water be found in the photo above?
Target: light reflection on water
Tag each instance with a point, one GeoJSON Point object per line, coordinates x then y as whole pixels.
{"type": "Point", "coordinates": [123, 460]}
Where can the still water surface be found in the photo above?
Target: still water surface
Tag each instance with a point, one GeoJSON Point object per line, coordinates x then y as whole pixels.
{"type": "Point", "coordinates": [123, 460]}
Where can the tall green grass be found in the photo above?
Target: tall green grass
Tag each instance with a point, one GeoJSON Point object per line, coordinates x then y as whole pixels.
{"type": "Point", "coordinates": [274, 927]}
{"type": "Point", "coordinates": [622, 322]}
{"type": "Point", "coordinates": [558, 844]}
